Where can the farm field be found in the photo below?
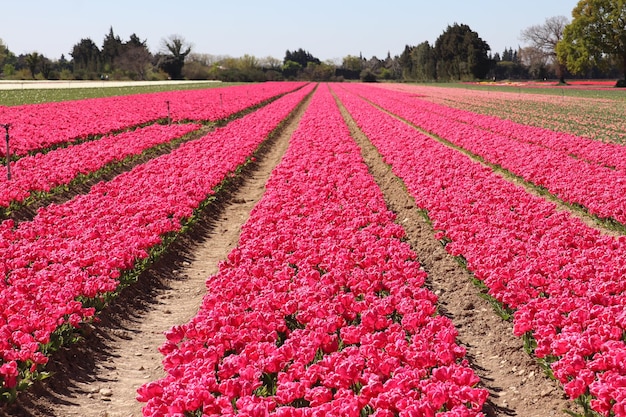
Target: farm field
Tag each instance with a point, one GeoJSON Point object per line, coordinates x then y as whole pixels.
{"type": "Point", "coordinates": [297, 249]}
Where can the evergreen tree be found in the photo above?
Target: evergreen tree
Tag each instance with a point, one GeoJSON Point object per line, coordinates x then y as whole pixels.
{"type": "Point", "coordinates": [425, 63]}
{"type": "Point", "coordinates": [86, 58]}
{"type": "Point", "coordinates": [111, 50]}
{"type": "Point", "coordinates": [461, 54]}
{"type": "Point", "coordinates": [301, 57]}
{"type": "Point", "coordinates": [406, 63]}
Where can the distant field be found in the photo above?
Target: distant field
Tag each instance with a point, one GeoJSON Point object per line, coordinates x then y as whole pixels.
{"type": "Point", "coordinates": [14, 93]}
{"type": "Point", "coordinates": [583, 110]}
{"type": "Point", "coordinates": [585, 89]}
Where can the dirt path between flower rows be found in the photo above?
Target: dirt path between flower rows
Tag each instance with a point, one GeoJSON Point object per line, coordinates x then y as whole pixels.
{"type": "Point", "coordinates": [99, 377]}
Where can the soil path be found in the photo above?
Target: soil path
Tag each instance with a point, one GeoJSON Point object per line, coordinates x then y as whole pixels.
{"type": "Point", "coordinates": [100, 377]}
{"type": "Point", "coordinates": [517, 385]}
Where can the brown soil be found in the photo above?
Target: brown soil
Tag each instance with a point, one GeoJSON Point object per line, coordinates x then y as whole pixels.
{"type": "Point", "coordinates": [99, 377]}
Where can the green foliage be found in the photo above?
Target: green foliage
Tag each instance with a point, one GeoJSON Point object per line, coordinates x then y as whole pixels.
{"type": "Point", "coordinates": [33, 60]}
{"type": "Point", "coordinates": [424, 62]}
{"type": "Point", "coordinates": [352, 64]}
{"type": "Point", "coordinates": [291, 69]}
{"type": "Point", "coordinates": [318, 72]}
{"type": "Point", "coordinates": [270, 384]}
{"type": "Point", "coordinates": [111, 49]}
{"type": "Point", "coordinates": [506, 70]}
{"type": "Point", "coordinates": [596, 32]}
{"type": "Point", "coordinates": [87, 59]}
{"type": "Point", "coordinates": [367, 76]}
{"type": "Point", "coordinates": [302, 57]}
{"type": "Point", "coordinates": [8, 70]}
{"type": "Point", "coordinates": [461, 54]}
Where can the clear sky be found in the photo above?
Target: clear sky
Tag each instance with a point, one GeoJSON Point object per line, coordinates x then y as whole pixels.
{"type": "Point", "coordinates": [328, 29]}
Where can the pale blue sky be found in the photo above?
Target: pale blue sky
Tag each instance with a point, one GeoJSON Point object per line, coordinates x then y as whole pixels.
{"type": "Point", "coordinates": [328, 29]}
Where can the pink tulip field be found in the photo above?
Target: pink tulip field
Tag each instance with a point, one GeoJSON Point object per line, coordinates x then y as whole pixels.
{"type": "Point", "coordinates": [321, 305]}
{"type": "Point", "coordinates": [599, 118]}
{"type": "Point", "coordinates": [41, 126]}
{"type": "Point", "coordinates": [43, 172]}
{"type": "Point", "coordinates": [71, 255]}
{"type": "Point", "coordinates": [323, 308]}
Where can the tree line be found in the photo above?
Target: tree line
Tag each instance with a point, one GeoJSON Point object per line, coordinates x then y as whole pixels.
{"type": "Point", "coordinates": [115, 59]}
{"type": "Point", "coordinates": [592, 45]}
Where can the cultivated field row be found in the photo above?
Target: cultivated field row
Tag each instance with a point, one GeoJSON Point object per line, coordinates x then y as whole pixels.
{"type": "Point", "coordinates": [324, 307]}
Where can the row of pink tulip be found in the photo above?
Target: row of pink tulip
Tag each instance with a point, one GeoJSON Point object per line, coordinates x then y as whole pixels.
{"type": "Point", "coordinates": [321, 309]}
{"type": "Point", "coordinates": [80, 249]}
{"type": "Point", "coordinates": [601, 190]}
{"type": "Point", "coordinates": [44, 171]}
{"type": "Point", "coordinates": [41, 126]}
{"type": "Point", "coordinates": [608, 154]}
{"type": "Point", "coordinates": [597, 118]}
{"type": "Point", "coordinates": [563, 279]}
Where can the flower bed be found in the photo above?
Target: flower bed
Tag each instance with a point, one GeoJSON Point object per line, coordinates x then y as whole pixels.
{"type": "Point", "coordinates": [73, 256]}
{"type": "Point", "coordinates": [42, 126]}
{"type": "Point", "coordinates": [599, 118]}
{"type": "Point", "coordinates": [563, 279]}
{"type": "Point", "coordinates": [321, 309]}
{"type": "Point", "coordinates": [43, 172]}
{"type": "Point", "coordinates": [600, 189]}
{"type": "Point", "coordinates": [602, 153]}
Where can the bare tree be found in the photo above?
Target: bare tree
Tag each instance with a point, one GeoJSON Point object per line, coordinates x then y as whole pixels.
{"type": "Point", "coordinates": [535, 60]}
{"type": "Point", "coordinates": [270, 62]}
{"type": "Point", "coordinates": [207, 60]}
{"type": "Point", "coordinates": [135, 60]}
{"type": "Point", "coordinates": [175, 50]}
{"type": "Point", "coordinates": [544, 38]}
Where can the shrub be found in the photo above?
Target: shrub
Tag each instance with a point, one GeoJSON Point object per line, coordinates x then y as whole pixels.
{"type": "Point", "coordinates": [367, 76]}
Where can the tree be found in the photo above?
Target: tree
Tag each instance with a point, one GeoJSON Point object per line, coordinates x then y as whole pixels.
{"type": "Point", "coordinates": [86, 57]}
{"type": "Point", "coordinates": [174, 52]}
{"type": "Point", "coordinates": [461, 54]}
{"type": "Point", "coordinates": [392, 67]}
{"type": "Point", "coordinates": [8, 60]}
{"type": "Point", "coordinates": [270, 63]}
{"type": "Point", "coordinates": [544, 39]}
{"type": "Point", "coordinates": [318, 72]}
{"type": "Point", "coordinates": [368, 76]}
{"type": "Point", "coordinates": [46, 66]}
{"type": "Point", "coordinates": [406, 63]}
{"type": "Point", "coordinates": [374, 65]}
{"type": "Point", "coordinates": [596, 34]}
{"type": "Point", "coordinates": [507, 55]}
{"type": "Point", "coordinates": [134, 58]}
{"type": "Point", "coordinates": [135, 61]}
{"type": "Point", "coordinates": [536, 63]}
{"type": "Point", "coordinates": [4, 53]}
{"type": "Point", "coordinates": [32, 61]}
{"type": "Point", "coordinates": [291, 69]}
{"type": "Point", "coordinates": [111, 49]}
{"type": "Point", "coordinates": [424, 62]}
{"type": "Point", "coordinates": [135, 41]}
{"type": "Point", "coordinates": [301, 57]}
{"type": "Point", "coordinates": [351, 67]}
